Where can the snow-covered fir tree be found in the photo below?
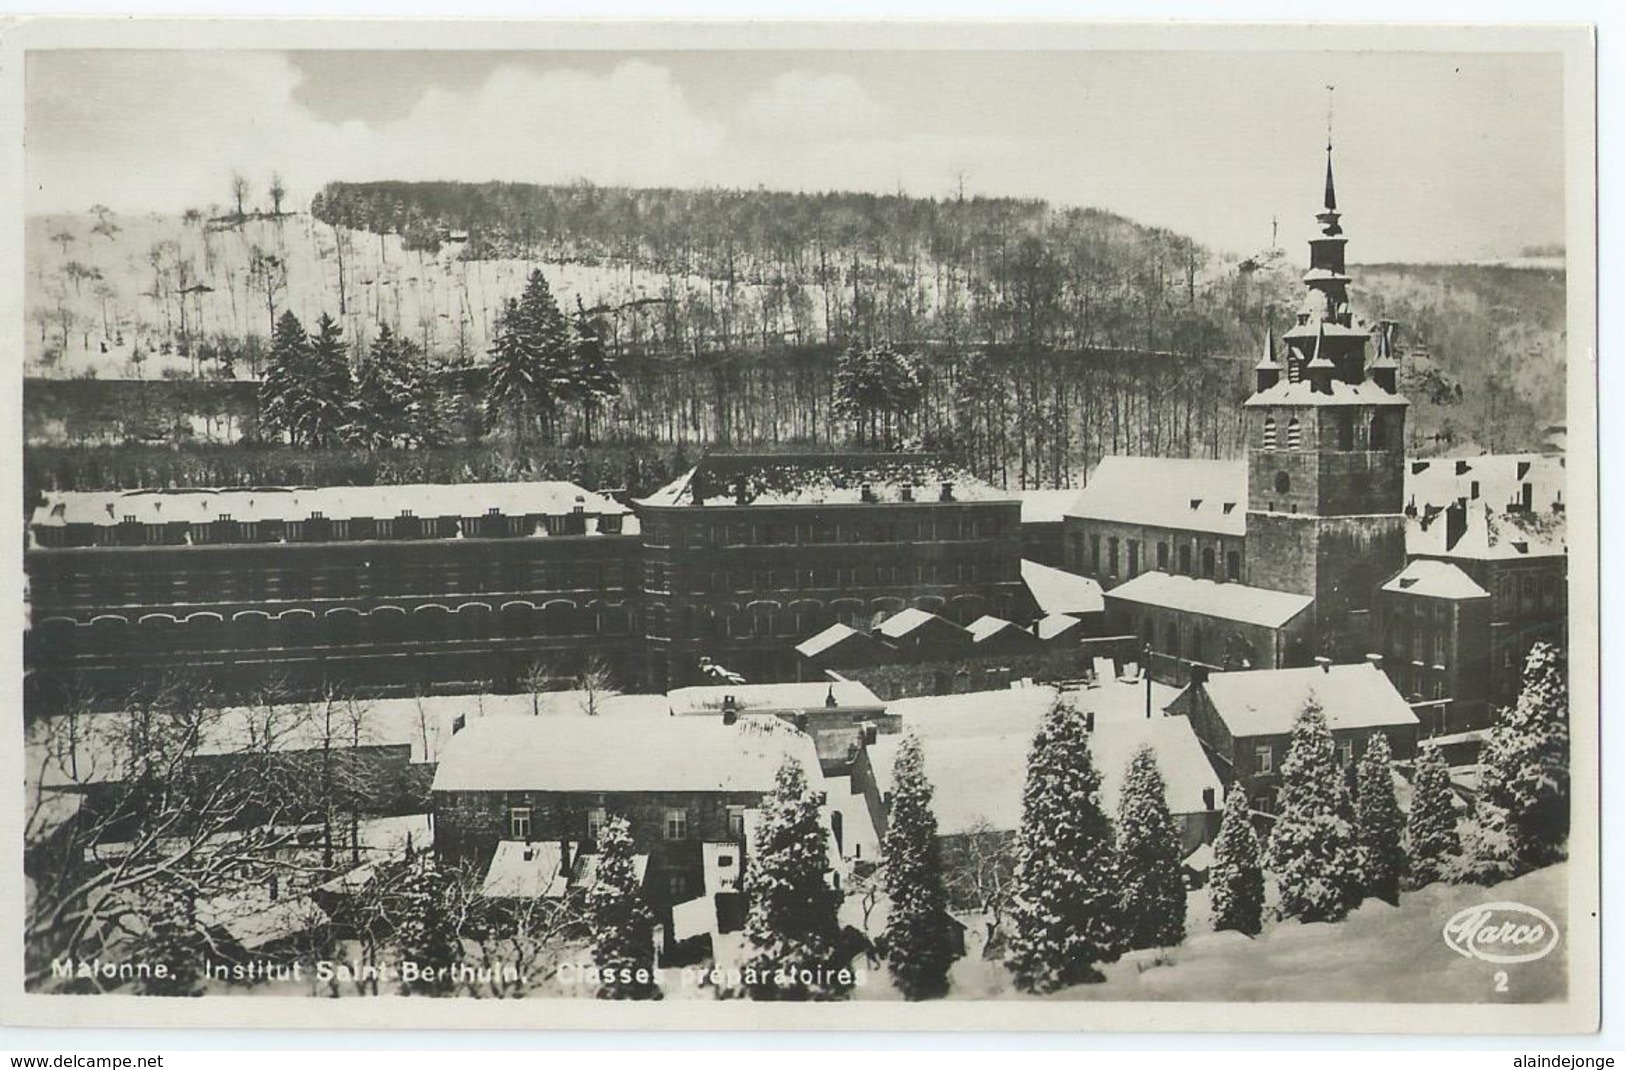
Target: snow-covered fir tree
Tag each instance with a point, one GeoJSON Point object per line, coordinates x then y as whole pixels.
{"type": "Point", "coordinates": [1312, 851]}
{"type": "Point", "coordinates": [283, 391]}
{"type": "Point", "coordinates": [331, 386]}
{"type": "Point", "coordinates": [510, 381]}
{"type": "Point", "coordinates": [792, 935]}
{"type": "Point", "coordinates": [1379, 825]}
{"type": "Point", "coordinates": [1064, 910]}
{"type": "Point", "coordinates": [622, 927]}
{"type": "Point", "coordinates": [1236, 881]}
{"type": "Point", "coordinates": [396, 401]}
{"type": "Point", "coordinates": [1524, 793]}
{"type": "Point", "coordinates": [547, 337]}
{"type": "Point", "coordinates": [1153, 887]}
{"type": "Point", "coordinates": [424, 933]}
{"type": "Point", "coordinates": [1432, 842]}
{"type": "Point", "coordinates": [919, 938]}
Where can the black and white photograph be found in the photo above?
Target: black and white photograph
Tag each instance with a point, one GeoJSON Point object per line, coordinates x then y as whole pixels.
{"type": "Point", "coordinates": [1038, 527]}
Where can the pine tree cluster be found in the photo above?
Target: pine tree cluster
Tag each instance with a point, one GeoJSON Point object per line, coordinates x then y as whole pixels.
{"type": "Point", "coordinates": [542, 362]}
{"type": "Point", "coordinates": [1312, 850]}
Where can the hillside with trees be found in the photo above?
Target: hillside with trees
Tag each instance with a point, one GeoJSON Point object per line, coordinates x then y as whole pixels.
{"type": "Point", "coordinates": [1031, 340]}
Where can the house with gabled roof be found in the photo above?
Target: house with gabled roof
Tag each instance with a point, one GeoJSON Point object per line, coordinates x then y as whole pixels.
{"type": "Point", "coordinates": [1245, 719]}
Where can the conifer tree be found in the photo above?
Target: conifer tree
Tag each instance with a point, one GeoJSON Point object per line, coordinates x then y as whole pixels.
{"type": "Point", "coordinates": [594, 378]}
{"type": "Point", "coordinates": [1237, 877]}
{"type": "Point", "coordinates": [792, 935]}
{"type": "Point", "coordinates": [1526, 765]}
{"type": "Point", "coordinates": [1379, 824]}
{"type": "Point", "coordinates": [547, 339]}
{"type": "Point", "coordinates": [1431, 838]}
{"type": "Point", "coordinates": [283, 391]}
{"type": "Point", "coordinates": [396, 401]}
{"type": "Point", "coordinates": [424, 935]}
{"type": "Point", "coordinates": [1312, 853]}
{"type": "Point", "coordinates": [622, 926]}
{"type": "Point", "coordinates": [919, 947]}
{"type": "Point", "coordinates": [330, 385]}
{"type": "Point", "coordinates": [509, 383]}
{"type": "Point", "coordinates": [1065, 901]}
{"type": "Point", "coordinates": [1153, 887]}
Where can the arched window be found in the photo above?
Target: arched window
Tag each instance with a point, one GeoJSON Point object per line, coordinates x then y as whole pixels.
{"type": "Point", "coordinates": [1209, 564]}
{"type": "Point", "coordinates": [1294, 434]}
{"type": "Point", "coordinates": [1185, 560]}
{"type": "Point", "coordinates": [1269, 432]}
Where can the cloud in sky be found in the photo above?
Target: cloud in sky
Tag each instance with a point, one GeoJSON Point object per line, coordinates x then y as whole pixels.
{"type": "Point", "coordinates": [1439, 157]}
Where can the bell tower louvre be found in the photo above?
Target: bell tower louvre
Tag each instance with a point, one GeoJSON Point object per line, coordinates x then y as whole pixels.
{"type": "Point", "coordinates": [1326, 453]}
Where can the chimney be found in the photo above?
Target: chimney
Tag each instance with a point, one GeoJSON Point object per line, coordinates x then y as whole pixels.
{"type": "Point", "coordinates": [947, 494]}
{"type": "Point", "coordinates": [1088, 720]}
{"type": "Point", "coordinates": [1208, 799]}
{"type": "Point", "coordinates": [1375, 660]}
{"type": "Point", "coordinates": [1455, 524]}
{"type": "Point", "coordinates": [1463, 467]}
{"type": "Point", "coordinates": [907, 492]}
{"type": "Point", "coordinates": [866, 492]}
{"type": "Point", "coordinates": [564, 859]}
{"type": "Point", "coordinates": [1528, 497]}
{"type": "Point", "coordinates": [1325, 663]}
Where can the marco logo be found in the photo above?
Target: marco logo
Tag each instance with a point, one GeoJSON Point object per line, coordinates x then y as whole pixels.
{"type": "Point", "coordinates": [1501, 932]}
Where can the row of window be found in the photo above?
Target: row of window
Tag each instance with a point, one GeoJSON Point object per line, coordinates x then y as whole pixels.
{"type": "Point", "coordinates": [466, 576]}
{"type": "Point", "coordinates": [1111, 557]}
{"type": "Point", "coordinates": [675, 824]}
{"type": "Point", "coordinates": [317, 528]}
{"type": "Point", "coordinates": [663, 532]}
{"type": "Point", "coordinates": [829, 577]}
{"type": "Point", "coordinates": [1264, 755]}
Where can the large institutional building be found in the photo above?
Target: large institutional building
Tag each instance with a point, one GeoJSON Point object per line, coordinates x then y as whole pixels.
{"type": "Point", "coordinates": [1325, 542]}
{"type": "Point", "coordinates": [490, 586]}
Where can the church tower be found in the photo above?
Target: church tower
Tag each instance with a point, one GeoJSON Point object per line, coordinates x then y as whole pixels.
{"type": "Point", "coordinates": [1326, 454]}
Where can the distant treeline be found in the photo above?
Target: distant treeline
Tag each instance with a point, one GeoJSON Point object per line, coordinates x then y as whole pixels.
{"type": "Point", "coordinates": [837, 267]}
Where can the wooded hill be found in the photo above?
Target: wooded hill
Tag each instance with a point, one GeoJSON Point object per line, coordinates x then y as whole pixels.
{"type": "Point", "coordinates": [1044, 338]}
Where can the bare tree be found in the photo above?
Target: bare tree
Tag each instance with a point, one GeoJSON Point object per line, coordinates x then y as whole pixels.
{"type": "Point", "coordinates": [978, 867]}
{"type": "Point", "coordinates": [277, 191]}
{"type": "Point", "coordinates": [596, 684]}
{"type": "Point", "coordinates": [63, 237]}
{"type": "Point", "coordinates": [239, 193]}
{"type": "Point", "coordinates": [270, 273]}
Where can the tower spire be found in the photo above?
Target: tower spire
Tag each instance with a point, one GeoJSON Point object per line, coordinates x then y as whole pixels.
{"type": "Point", "coordinates": [1331, 188]}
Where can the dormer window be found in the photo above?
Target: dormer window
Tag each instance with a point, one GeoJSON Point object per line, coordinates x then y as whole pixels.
{"type": "Point", "coordinates": [1229, 507]}
{"type": "Point", "coordinates": [1196, 503]}
{"type": "Point", "coordinates": [129, 519]}
{"type": "Point", "coordinates": [316, 514]}
{"type": "Point", "coordinates": [224, 518]}
{"type": "Point", "coordinates": [406, 514]}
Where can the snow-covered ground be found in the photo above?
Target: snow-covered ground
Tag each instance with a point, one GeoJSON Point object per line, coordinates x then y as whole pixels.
{"type": "Point", "coordinates": [1379, 954]}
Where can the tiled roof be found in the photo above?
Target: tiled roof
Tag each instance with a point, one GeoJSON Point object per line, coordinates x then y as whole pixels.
{"type": "Point", "coordinates": [601, 754]}
{"type": "Point", "coordinates": [1224, 601]}
{"type": "Point", "coordinates": [1267, 702]}
{"type": "Point", "coordinates": [823, 479]}
{"type": "Point", "coordinates": [1191, 495]}
{"type": "Point", "coordinates": [1435, 579]}
{"type": "Point", "coordinates": [1058, 591]}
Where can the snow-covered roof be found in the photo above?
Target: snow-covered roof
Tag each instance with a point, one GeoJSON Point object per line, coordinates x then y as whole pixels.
{"type": "Point", "coordinates": [254, 504]}
{"type": "Point", "coordinates": [985, 628]}
{"type": "Point", "coordinates": [1303, 392]}
{"type": "Point", "coordinates": [1497, 477]}
{"type": "Point", "coordinates": [1046, 506]}
{"type": "Point", "coordinates": [602, 754]}
{"type": "Point", "coordinates": [909, 621]}
{"type": "Point", "coordinates": [823, 479]}
{"type": "Point", "coordinates": [1435, 579]}
{"type": "Point", "coordinates": [1059, 591]}
{"type": "Point", "coordinates": [973, 713]}
{"type": "Point", "coordinates": [981, 778]}
{"type": "Point", "coordinates": [533, 870]}
{"type": "Point", "coordinates": [99, 751]}
{"type": "Point", "coordinates": [1487, 534]}
{"type": "Point", "coordinates": [1054, 624]}
{"type": "Point", "coordinates": [833, 636]}
{"type": "Point", "coordinates": [1208, 598]}
{"type": "Point", "coordinates": [811, 695]}
{"type": "Point", "coordinates": [1192, 495]}
{"type": "Point", "coordinates": [253, 919]}
{"type": "Point", "coordinates": [1267, 702]}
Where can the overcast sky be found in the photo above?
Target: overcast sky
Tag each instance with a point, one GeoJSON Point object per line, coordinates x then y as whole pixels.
{"type": "Point", "coordinates": [1439, 157]}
